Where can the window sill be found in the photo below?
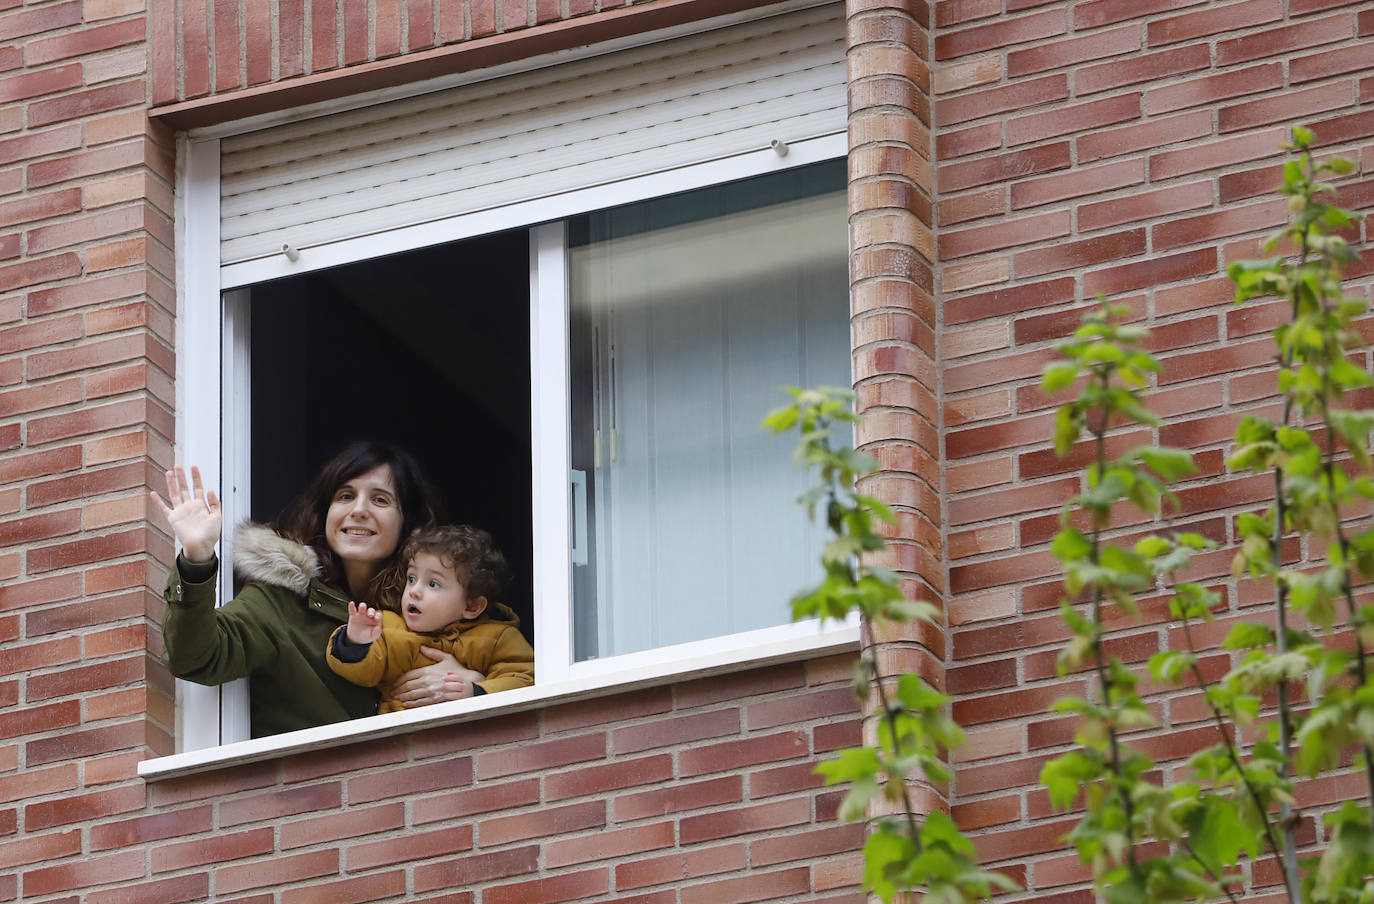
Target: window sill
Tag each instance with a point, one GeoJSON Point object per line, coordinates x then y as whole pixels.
{"type": "Point", "coordinates": [836, 639]}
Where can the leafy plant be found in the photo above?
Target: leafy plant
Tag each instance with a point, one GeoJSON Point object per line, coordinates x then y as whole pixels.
{"type": "Point", "coordinates": [1145, 841]}
{"type": "Point", "coordinates": [1123, 806]}
{"type": "Point", "coordinates": [1239, 798]}
{"type": "Point", "coordinates": [903, 851]}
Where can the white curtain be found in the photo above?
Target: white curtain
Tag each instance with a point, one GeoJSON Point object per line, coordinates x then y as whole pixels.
{"type": "Point", "coordinates": [689, 316]}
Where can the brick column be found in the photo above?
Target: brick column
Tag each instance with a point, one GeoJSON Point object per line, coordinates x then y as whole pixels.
{"type": "Point", "coordinates": [86, 363]}
{"type": "Point", "coordinates": [894, 312]}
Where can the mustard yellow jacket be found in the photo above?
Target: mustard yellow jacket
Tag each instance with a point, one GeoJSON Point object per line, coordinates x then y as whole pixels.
{"type": "Point", "coordinates": [491, 644]}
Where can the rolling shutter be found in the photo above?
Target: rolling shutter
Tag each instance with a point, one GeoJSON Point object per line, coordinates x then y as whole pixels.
{"type": "Point", "coordinates": [533, 135]}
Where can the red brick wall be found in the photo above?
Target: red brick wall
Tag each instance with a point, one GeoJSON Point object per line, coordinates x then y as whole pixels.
{"type": "Point", "coordinates": [1009, 158]}
{"type": "Point", "coordinates": [204, 50]}
{"type": "Point", "coordinates": [701, 793]}
{"type": "Point", "coordinates": [698, 792]}
{"type": "Point", "coordinates": [86, 365]}
{"type": "Point", "coordinates": [1125, 147]}
{"type": "Point", "coordinates": [226, 46]}
{"type": "Point", "coordinates": [892, 283]}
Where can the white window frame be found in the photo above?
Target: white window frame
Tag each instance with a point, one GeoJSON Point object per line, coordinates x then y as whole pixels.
{"type": "Point", "coordinates": [212, 364]}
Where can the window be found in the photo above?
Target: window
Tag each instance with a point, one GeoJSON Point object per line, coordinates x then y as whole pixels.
{"type": "Point", "coordinates": [428, 350]}
{"type": "Point", "coordinates": [688, 313]}
{"type": "Point", "coordinates": [647, 291]}
{"type": "Point", "coordinates": [660, 518]}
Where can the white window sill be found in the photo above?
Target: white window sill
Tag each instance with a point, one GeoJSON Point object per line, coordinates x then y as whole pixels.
{"type": "Point", "coordinates": [835, 638]}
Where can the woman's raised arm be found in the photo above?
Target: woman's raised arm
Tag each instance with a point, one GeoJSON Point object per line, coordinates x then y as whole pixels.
{"type": "Point", "coordinates": [193, 513]}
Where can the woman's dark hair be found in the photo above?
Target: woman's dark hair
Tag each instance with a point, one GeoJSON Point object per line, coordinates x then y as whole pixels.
{"type": "Point", "coordinates": [302, 519]}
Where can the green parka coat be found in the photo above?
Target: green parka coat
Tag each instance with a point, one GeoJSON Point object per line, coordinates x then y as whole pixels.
{"type": "Point", "coordinates": [274, 633]}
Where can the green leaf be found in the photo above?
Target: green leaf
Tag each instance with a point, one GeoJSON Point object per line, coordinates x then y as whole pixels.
{"type": "Point", "coordinates": [1335, 218]}
{"type": "Point", "coordinates": [1067, 428]}
{"type": "Point", "coordinates": [1151, 546]}
{"type": "Point", "coordinates": [939, 828]}
{"type": "Point", "coordinates": [879, 508]}
{"type": "Point", "coordinates": [1070, 544]}
{"type": "Point", "coordinates": [851, 764]}
{"type": "Point", "coordinates": [912, 610]}
{"type": "Point", "coordinates": [884, 853]}
{"type": "Point", "coordinates": [1341, 166]}
{"type": "Point", "coordinates": [1168, 665]}
{"type": "Point", "coordinates": [1247, 635]}
{"type": "Point", "coordinates": [781, 420]}
{"type": "Point", "coordinates": [917, 695]}
{"type": "Point", "coordinates": [1064, 776]}
{"type": "Point", "coordinates": [1171, 464]}
{"type": "Point", "coordinates": [1130, 890]}
{"type": "Point", "coordinates": [1057, 376]}
{"type": "Point", "coordinates": [1223, 834]}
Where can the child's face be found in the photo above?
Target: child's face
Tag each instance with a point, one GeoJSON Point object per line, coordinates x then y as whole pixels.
{"type": "Point", "coordinates": [434, 597]}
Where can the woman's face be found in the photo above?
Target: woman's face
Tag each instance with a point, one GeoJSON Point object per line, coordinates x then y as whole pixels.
{"type": "Point", "coordinates": [363, 523]}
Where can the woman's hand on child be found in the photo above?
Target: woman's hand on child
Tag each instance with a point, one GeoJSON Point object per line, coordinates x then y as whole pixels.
{"type": "Point", "coordinates": [193, 513]}
{"type": "Point", "coordinates": [445, 680]}
{"type": "Point", "coordinates": [458, 685]}
{"type": "Point", "coordinates": [364, 623]}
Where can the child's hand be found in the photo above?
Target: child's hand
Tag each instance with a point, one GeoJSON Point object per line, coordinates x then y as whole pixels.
{"type": "Point", "coordinates": [364, 624]}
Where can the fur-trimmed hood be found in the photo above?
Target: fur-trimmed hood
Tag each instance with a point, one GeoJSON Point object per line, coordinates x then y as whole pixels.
{"type": "Point", "coordinates": [261, 554]}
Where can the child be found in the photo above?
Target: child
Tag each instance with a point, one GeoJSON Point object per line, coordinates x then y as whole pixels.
{"type": "Point", "coordinates": [450, 573]}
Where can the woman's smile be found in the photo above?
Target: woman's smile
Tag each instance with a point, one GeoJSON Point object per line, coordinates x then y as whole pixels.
{"type": "Point", "coordinates": [363, 523]}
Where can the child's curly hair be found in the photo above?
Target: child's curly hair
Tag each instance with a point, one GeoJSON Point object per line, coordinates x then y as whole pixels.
{"type": "Point", "coordinates": [469, 551]}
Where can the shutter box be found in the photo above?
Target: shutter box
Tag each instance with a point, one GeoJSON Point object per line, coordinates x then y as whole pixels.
{"type": "Point", "coordinates": [534, 135]}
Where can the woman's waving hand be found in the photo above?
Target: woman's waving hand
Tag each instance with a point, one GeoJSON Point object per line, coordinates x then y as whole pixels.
{"type": "Point", "coordinates": [193, 513]}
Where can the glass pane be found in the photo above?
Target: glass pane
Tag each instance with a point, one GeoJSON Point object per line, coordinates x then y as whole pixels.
{"type": "Point", "coordinates": [689, 314]}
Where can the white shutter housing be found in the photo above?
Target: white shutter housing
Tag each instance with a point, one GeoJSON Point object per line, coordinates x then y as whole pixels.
{"type": "Point", "coordinates": [533, 135]}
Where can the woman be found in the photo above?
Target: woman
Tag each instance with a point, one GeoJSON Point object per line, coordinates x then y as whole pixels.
{"type": "Point", "coordinates": [338, 541]}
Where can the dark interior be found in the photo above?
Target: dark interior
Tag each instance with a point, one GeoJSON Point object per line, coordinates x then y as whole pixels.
{"type": "Point", "coordinates": [428, 350]}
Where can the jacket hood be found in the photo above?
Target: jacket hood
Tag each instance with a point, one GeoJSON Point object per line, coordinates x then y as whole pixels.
{"type": "Point", "coordinates": [500, 612]}
{"type": "Point", "coordinates": [261, 554]}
